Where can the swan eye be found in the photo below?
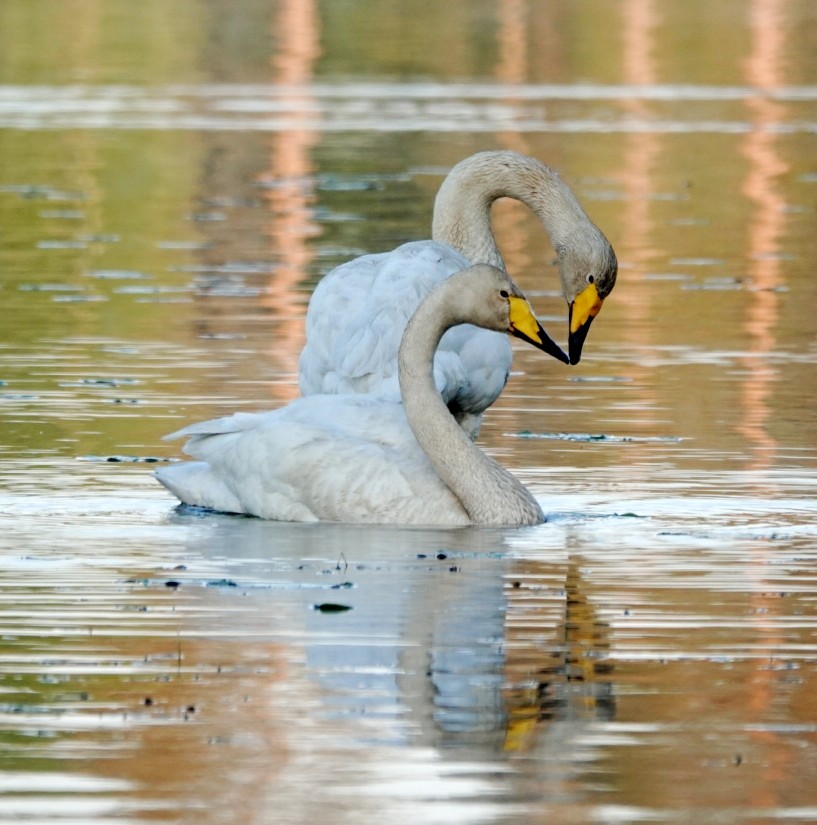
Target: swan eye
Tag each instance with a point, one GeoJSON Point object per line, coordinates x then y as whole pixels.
{"type": "Point", "coordinates": [590, 279]}
{"type": "Point", "coordinates": [504, 293]}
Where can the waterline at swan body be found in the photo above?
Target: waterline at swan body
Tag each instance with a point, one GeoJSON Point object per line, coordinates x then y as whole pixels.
{"type": "Point", "coordinates": [366, 459]}
{"type": "Point", "coordinates": [358, 311]}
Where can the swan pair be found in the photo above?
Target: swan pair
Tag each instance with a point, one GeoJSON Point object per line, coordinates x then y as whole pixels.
{"type": "Point", "coordinates": [405, 350]}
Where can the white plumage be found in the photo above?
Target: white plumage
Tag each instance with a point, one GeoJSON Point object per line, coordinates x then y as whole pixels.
{"type": "Point", "coordinates": [359, 310]}
{"type": "Point", "coordinates": [358, 315]}
{"type": "Point", "coordinates": [366, 458]}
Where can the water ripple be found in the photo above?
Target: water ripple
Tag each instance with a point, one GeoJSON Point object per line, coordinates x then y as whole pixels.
{"type": "Point", "coordinates": [390, 107]}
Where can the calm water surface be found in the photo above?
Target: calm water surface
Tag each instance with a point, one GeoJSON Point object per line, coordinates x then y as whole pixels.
{"type": "Point", "coordinates": [175, 177]}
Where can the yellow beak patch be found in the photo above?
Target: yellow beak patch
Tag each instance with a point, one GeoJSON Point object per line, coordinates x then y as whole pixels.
{"type": "Point", "coordinates": [586, 305]}
{"type": "Point", "coordinates": [523, 319]}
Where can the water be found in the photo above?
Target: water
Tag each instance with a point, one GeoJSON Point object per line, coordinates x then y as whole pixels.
{"type": "Point", "coordinates": [168, 202]}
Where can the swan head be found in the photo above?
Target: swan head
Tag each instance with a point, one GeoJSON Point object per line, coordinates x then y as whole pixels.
{"type": "Point", "coordinates": [588, 272]}
{"type": "Point", "coordinates": [488, 298]}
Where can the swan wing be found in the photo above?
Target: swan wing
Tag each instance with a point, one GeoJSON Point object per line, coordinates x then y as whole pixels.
{"type": "Point", "coordinates": [327, 458]}
{"type": "Point", "coordinates": [356, 319]}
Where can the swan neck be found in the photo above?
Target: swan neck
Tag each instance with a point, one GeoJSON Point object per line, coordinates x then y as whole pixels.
{"type": "Point", "coordinates": [489, 493]}
{"type": "Point", "coordinates": [462, 209]}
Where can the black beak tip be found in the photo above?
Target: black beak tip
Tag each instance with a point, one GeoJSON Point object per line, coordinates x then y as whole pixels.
{"type": "Point", "coordinates": [552, 348]}
{"type": "Point", "coordinates": [545, 343]}
{"type": "Point", "coordinates": [575, 342]}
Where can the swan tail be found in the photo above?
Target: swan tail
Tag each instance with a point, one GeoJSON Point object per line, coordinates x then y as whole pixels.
{"type": "Point", "coordinates": [194, 483]}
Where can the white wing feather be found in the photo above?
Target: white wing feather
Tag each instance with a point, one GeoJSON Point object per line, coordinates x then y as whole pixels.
{"type": "Point", "coordinates": [356, 319]}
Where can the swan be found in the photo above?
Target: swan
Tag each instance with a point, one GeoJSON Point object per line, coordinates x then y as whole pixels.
{"type": "Point", "coordinates": [361, 458]}
{"type": "Point", "coordinates": [358, 311]}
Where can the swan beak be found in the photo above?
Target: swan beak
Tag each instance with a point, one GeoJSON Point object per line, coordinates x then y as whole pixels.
{"type": "Point", "coordinates": [525, 326]}
{"type": "Point", "coordinates": [583, 310]}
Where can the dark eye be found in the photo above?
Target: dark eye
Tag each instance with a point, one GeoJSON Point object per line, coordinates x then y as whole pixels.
{"type": "Point", "coordinates": [590, 279]}
{"type": "Point", "coordinates": [504, 293]}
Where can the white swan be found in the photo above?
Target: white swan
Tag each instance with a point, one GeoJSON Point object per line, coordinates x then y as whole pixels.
{"type": "Point", "coordinates": [359, 310]}
{"type": "Point", "coordinates": [359, 458]}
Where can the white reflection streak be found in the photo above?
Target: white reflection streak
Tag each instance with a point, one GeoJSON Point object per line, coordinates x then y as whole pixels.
{"type": "Point", "coordinates": [305, 107]}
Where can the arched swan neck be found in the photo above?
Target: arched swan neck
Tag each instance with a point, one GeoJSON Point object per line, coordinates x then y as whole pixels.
{"type": "Point", "coordinates": [489, 493]}
{"type": "Point", "coordinates": [462, 210]}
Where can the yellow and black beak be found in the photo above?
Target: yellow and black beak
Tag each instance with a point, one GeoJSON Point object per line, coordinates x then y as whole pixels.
{"type": "Point", "coordinates": [525, 326]}
{"type": "Point", "coordinates": [583, 310]}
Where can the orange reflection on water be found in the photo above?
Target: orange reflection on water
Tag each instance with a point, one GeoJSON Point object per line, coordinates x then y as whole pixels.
{"type": "Point", "coordinates": [763, 72]}
{"type": "Point", "coordinates": [640, 159]}
{"type": "Point", "coordinates": [291, 196]}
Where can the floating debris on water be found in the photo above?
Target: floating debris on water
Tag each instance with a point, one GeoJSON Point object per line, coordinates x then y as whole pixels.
{"type": "Point", "coordinates": [124, 459]}
{"type": "Point", "coordinates": [101, 382]}
{"type": "Point", "coordinates": [594, 437]}
{"type": "Point", "coordinates": [331, 607]}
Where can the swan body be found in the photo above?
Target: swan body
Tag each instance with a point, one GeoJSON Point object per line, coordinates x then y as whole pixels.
{"type": "Point", "coordinates": [356, 320]}
{"type": "Point", "coordinates": [359, 310]}
{"type": "Point", "coordinates": [365, 458]}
